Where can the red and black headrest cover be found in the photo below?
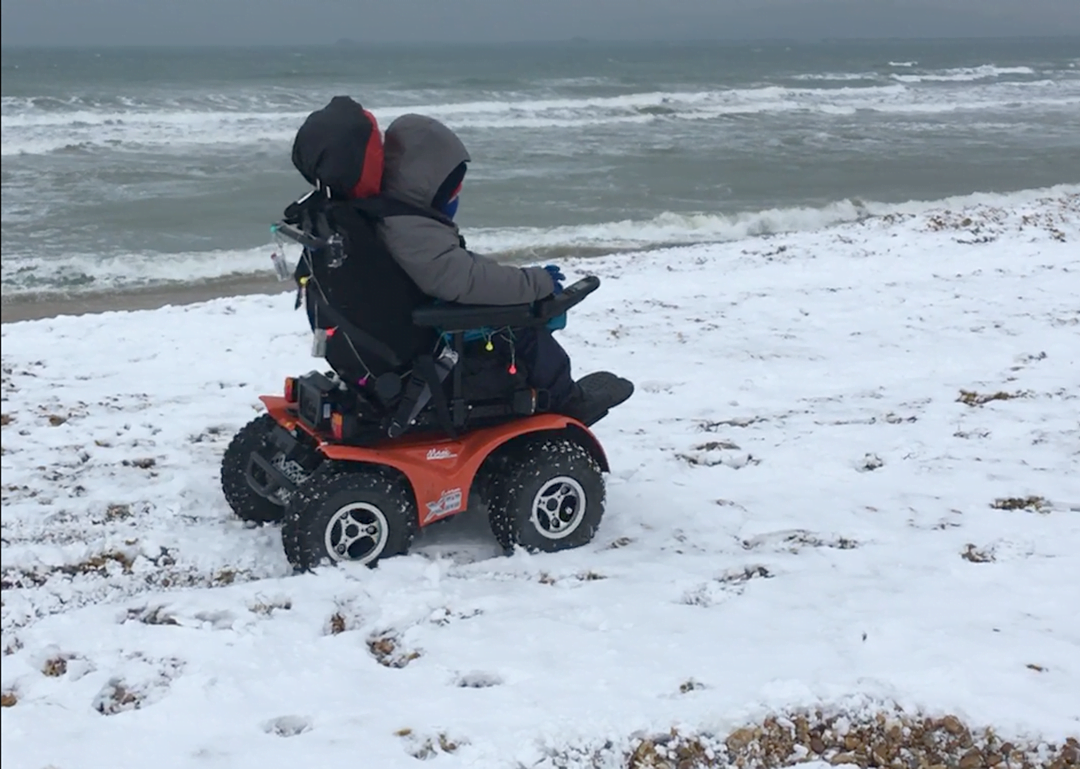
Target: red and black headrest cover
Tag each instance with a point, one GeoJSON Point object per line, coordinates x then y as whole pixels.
{"type": "Point", "coordinates": [340, 147]}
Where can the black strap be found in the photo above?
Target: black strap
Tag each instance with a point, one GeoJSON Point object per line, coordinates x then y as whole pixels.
{"type": "Point", "coordinates": [399, 423]}
{"type": "Point", "coordinates": [424, 379]}
{"type": "Point", "coordinates": [371, 208]}
{"type": "Point", "coordinates": [376, 209]}
{"type": "Point", "coordinates": [425, 365]}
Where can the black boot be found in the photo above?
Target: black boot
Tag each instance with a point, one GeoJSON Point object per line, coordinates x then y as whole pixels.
{"type": "Point", "coordinates": [593, 396]}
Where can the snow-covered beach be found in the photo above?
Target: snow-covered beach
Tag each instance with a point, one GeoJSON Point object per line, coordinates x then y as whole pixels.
{"type": "Point", "coordinates": [849, 480]}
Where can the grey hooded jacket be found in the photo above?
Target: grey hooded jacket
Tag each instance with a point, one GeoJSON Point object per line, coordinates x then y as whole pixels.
{"type": "Point", "coordinates": [420, 153]}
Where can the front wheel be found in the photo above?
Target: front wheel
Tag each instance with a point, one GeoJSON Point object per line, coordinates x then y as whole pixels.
{"type": "Point", "coordinates": [549, 497]}
{"type": "Point", "coordinates": [349, 513]}
{"type": "Point", "coordinates": [244, 501]}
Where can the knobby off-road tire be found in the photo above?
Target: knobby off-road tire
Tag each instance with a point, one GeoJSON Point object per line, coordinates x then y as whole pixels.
{"type": "Point", "coordinates": [547, 496]}
{"type": "Point", "coordinates": [344, 512]}
{"type": "Point", "coordinates": [244, 501]}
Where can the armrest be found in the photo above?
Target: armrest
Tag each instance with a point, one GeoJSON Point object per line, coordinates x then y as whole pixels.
{"type": "Point", "coordinates": [571, 296]}
{"type": "Point", "coordinates": [464, 317]}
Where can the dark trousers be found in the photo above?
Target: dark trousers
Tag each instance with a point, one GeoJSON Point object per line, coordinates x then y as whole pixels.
{"type": "Point", "coordinates": [545, 362]}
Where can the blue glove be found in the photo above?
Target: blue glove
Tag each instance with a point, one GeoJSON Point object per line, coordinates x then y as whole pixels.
{"type": "Point", "coordinates": [557, 323]}
{"type": "Point", "coordinates": [556, 276]}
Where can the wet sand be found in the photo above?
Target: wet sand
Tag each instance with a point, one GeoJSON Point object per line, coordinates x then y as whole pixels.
{"type": "Point", "coordinates": [151, 298]}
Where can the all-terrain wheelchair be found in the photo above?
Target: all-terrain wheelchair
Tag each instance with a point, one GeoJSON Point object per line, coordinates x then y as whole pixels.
{"type": "Point", "coordinates": [354, 464]}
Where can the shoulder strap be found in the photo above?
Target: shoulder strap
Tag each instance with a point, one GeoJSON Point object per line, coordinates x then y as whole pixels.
{"type": "Point", "coordinates": [375, 208]}
{"type": "Point", "coordinates": [309, 212]}
{"type": "Point", "coordinates": [316, 204]}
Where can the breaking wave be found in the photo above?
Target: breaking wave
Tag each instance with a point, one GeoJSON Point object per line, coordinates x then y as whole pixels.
{"type": "Point", "coordinates": [965, 74]}
{"type": "Point", "coordinates": [41, 125]}
{"type": "Point", "coordinates": [77, 273]}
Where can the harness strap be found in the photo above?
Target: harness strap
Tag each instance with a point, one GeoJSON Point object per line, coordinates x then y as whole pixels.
{"type": "Point", "coordinates": [423, 384]}
{"type": "Point", "coordinates": [426, 366]}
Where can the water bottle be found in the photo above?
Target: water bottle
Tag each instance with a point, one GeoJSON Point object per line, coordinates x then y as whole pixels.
{"type": "Point", "coordinates": [281, 267]}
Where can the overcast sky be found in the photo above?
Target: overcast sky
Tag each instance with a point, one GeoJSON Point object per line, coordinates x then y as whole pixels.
{"type": "Point", "coordinates": [244, 22]}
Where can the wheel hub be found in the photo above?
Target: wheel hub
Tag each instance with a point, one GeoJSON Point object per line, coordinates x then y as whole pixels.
{"type": "Point", "coordinates": [356, 532]}
{"type": "Point", "coordinates": [558, 507]}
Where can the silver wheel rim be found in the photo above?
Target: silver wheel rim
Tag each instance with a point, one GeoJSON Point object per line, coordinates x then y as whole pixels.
{"type": "Point", "coordinates": [558, 508]}
{"type": "Point", "coordinates": [356, 532]}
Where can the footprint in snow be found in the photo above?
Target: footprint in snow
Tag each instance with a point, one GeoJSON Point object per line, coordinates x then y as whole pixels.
{"type": "Point", "coordinates": [724, 586]}
{"type": "Point", "coordinates": [869, 463]}
{"type": "Point", "coordinates": [794, 540]}
{"type": "Point", "coordinates": [221, 619]}
{"type": "Point", "coordinates": [287, 726]}
{"type": "Point", "coordinates": [478, 679]}
{"type": "Point", "coordinates": [714, 453]}
{"type": "Point", "coordinates": [145, 682]}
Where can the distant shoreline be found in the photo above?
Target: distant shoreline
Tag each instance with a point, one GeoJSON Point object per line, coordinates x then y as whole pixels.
{"type": "Point", "coordinates": [40, 306]}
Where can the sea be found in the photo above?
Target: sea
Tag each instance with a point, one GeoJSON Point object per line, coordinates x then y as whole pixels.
{"type": "Point", "coordinates": [128, 168]}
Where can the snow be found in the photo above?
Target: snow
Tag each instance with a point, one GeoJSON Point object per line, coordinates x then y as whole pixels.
{"type": "Point", "coordinates": [800, 513]}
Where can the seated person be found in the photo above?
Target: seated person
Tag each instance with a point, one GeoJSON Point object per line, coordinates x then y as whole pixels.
{"type": "Point", "coordinates": [425, 164]}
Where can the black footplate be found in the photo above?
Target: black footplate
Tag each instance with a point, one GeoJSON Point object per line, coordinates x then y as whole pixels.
{"type": "Point", "coordinates": [601, 392]}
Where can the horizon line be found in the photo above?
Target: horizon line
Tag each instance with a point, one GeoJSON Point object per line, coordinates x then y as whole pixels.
{"type": "Point", "coordinates": [577, 40]}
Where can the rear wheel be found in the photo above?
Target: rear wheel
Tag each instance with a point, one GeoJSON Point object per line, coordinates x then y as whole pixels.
{"type": "Point", "coordinates": [548, 497]}
{"type": "Point", "coordinates": [244, 501]}
{"type": "Point", "coordinates": [349, 513]}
